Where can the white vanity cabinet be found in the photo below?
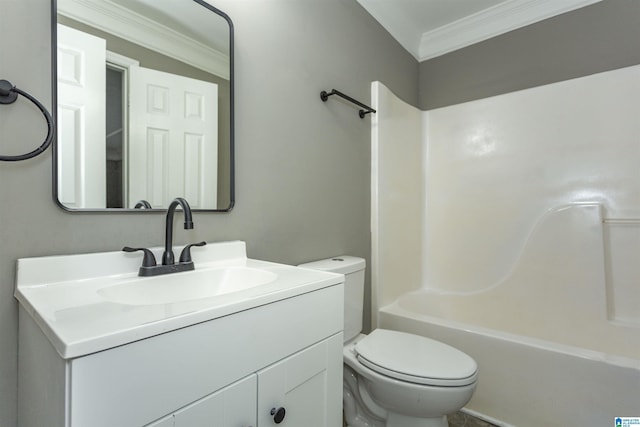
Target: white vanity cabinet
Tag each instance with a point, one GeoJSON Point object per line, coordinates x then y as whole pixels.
{"type": "Point", "coordinates": [225, 372]}
{"type": "Point", "coordinates": [229, 407]}
{"type": "Point", "coordinates": [303, 389]}
{"type": "Point", "coordinates": [165, 422]}
{"type": "Point", "coordinates": [299, 390]}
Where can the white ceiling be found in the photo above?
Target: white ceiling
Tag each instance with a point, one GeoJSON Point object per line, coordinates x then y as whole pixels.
{"type": "Point", "coordinates": [429, 28]}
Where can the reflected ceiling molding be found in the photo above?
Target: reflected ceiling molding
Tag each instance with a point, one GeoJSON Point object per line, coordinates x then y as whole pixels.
{"type": "Point", "coordinates": [491, 22]}
{"type": "Point", "coordinates": [124, 23]}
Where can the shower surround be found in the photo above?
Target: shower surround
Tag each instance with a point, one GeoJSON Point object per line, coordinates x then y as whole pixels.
{"type": "Point", "coordinates": [509, 227]}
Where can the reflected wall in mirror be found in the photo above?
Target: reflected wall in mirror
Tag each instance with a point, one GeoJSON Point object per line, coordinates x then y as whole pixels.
{"type": "Point", "coordinates": [144, 94]}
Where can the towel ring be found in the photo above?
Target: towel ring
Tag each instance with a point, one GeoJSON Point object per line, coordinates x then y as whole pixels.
{"type": "Point", "coordinates": [8, 95]}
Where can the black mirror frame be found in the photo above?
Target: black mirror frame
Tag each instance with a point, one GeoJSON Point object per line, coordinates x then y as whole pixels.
{"type": "Point", "coordinates": [54, 113]}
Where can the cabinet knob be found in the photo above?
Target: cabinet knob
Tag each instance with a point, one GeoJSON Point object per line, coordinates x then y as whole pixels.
{"type": "Point", "coordinates": [278, 414]}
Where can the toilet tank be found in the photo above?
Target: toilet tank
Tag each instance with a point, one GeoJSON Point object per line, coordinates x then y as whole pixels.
{"type": "Point", "coordinates": [353, 270]}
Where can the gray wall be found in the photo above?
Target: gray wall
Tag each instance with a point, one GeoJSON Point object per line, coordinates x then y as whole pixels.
{"type": "Point", "coordinates": [303, 166]}
{"type": "Point", "coordinates": [596, 38]}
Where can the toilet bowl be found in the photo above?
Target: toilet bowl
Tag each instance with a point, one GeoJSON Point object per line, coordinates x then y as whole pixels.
{"type": "Point", "coordinates": [412, 381]}
{"type": "Point", "coordinates": [393, 378]}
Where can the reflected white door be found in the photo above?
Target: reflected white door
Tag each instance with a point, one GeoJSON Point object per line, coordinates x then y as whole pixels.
{"type": "Point", "coordinates": [81, 119]}
{"type": "Point", "coordinates": [173, 142]}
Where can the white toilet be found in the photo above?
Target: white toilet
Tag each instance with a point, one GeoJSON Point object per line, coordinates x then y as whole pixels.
{"type": "Point", "coordinates": [395, 379]}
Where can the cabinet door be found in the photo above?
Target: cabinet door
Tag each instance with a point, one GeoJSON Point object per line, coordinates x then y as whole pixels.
{"type": "Point", "coordinates": [304, 389]}
{"type": "Point", "coordinates": [233, 406]}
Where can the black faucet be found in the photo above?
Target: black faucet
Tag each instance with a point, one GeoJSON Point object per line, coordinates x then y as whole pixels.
{"type": "Point", "coordinates": [149, 267]}
{"type": "Point", "coordinates": [167, 255]}
{"type": "Point", "coordinates": [142, 204]}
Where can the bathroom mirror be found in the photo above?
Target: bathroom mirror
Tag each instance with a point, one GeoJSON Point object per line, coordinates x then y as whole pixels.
{"type": "Point", "coordinates": [144, 95]}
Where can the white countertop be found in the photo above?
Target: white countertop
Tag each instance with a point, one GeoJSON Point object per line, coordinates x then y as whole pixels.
{"type": "Point", "coordinates": [61, 294]}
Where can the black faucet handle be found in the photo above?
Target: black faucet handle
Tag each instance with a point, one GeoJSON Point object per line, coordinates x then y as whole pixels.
{"type": "Point", "coordinates": [148, 260]}
{"type": "Point", "coordinates": [185, 255]}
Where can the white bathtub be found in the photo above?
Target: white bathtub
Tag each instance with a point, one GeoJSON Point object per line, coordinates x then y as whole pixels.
{"type": "Point", "coordinates": [554, 339]}
{"type": "Point", "coordinates": [524, 381]}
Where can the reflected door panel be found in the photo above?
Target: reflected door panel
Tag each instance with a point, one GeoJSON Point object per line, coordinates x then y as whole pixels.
{"type": "Point", "coordinates": [173, 143]}
{"type": "Point", "coordinates": [81, 117]}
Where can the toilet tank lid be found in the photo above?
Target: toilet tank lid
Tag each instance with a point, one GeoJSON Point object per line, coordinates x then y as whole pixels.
{"type": "Point", "coordinates": [344, 264]}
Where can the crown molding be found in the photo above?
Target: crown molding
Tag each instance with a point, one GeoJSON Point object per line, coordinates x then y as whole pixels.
{"type": "Point", "coordinates": [491, 22]}
{"type": "Point", "coordinates": [121, 22]}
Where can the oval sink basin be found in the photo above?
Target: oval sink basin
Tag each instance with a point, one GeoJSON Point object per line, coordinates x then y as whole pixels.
{"type": "Point", "coordinates": [187, 286]}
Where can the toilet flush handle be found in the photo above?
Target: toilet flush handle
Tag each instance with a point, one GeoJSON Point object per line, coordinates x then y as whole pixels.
{"type": "Point", "coordinates": [278, 414]}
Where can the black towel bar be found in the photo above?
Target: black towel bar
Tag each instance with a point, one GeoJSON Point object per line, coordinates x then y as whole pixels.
{"type": "Point", "coordinates": [324, 95]}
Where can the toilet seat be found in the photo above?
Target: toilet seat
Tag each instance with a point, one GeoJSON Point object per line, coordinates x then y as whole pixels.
{"type": "Point", "coordinates": [415, 359]}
